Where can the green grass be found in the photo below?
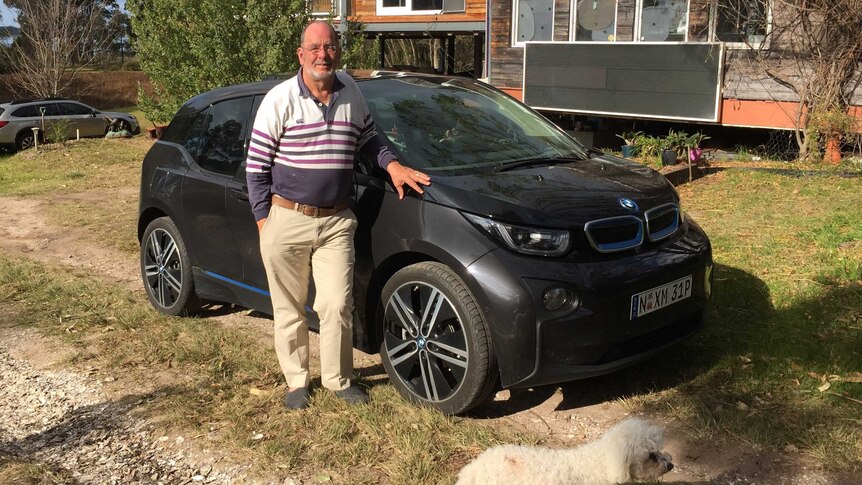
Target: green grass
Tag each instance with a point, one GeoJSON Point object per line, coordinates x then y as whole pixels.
{"type": "Point", "coordinates": [107, 170]}
{"type": "Point", "coordinates": [786, 320]}
{"type": "Point", "coordinates": [226, 379]}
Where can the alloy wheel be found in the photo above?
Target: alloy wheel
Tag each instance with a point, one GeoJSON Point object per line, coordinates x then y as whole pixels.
{"type": "Point", "coordinates": [163, 268]}
{"type": "Point", "coordinates": [425, 341]}
{"type": "Point", "coordinates": [26, 142]}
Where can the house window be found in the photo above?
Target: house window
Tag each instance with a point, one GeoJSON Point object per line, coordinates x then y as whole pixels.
{"type": "Point", "coordinates": [595, 20]}
{"type": "Point", "coordinates": [742, 23]}
{"type": "Point", "coordinates": [322, 8]}
{"type": "Point", "coordinates": [664, 20]}
{"type": "Point", "coordinates": [409, 7]}
{"type": "Point", "coordinates": [534, 20]}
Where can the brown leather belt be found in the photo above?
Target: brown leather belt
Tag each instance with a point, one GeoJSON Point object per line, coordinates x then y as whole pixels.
{"type": "Point", "coordinates": [310, 210]}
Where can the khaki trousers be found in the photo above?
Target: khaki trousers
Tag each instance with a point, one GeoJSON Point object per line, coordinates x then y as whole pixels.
{"type": "Point", "coordinates": [294, 247]}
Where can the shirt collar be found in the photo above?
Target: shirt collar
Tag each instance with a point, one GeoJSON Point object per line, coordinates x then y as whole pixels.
{"type": "Point", "coordinates": [306, 93]}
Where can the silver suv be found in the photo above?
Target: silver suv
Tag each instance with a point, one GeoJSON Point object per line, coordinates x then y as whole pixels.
{"type": "Point", "coordinates": [18, 118]}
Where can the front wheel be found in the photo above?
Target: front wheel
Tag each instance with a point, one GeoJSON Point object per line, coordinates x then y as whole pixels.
{"type": "Point", "coordinates": [166, 269]}
{"type": "Point", "coordinates": [436, 344]}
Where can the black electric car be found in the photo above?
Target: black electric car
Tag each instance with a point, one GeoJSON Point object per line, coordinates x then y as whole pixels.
{"type": "Point", "coordinates": [530, 259]}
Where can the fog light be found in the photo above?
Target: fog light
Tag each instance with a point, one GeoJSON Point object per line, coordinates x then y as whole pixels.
{"type": "Point", "coordinates": [557, 298]}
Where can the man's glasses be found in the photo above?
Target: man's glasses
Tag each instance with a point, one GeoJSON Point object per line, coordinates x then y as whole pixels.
{"type": "Point", "coordinates": [317, 49]}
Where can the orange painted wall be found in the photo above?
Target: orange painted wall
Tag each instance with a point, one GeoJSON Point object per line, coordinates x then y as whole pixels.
{"type": "Point", "coordinates": [513, 92]}
{"type": "Point", "coordinates": [771, 114]}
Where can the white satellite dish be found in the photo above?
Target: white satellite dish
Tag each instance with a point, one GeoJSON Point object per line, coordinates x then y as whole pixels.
{"type": "Point", "coordinates": [527, 23]}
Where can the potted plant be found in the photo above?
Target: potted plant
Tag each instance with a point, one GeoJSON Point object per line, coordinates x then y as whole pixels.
{"type": "Point", "coordinates": [695, 152]}
{"type": "Point", "coordinates": [830, 127]}
{"type": "Point", "coordinates": [630, 138]}
{"type": "Point", "coordinates": [669, 146]}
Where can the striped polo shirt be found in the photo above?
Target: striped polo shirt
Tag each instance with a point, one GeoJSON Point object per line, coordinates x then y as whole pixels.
{"type": "Point", "coordinates": [303, 150]}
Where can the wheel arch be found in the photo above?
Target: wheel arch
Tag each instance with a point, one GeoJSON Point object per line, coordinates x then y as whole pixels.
{"type": "Point", "coordinates": [420, 251]}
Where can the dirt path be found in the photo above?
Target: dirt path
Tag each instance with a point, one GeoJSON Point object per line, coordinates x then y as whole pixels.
{"type": "Point", "coordinates": [565, 415]}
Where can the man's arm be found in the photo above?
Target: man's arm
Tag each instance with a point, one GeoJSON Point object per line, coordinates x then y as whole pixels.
{"type": "Point", "coordinates": [262, 147]}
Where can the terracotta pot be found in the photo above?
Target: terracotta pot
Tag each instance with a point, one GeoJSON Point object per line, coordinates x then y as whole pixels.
{"type": "Point", "coordinates": [833, 151]}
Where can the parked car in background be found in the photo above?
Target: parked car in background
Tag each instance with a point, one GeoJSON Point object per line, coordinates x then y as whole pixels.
{"type": "Point", "coordinates": [529, 260]}
{"type": "Point", "coordinates": [73, 118]}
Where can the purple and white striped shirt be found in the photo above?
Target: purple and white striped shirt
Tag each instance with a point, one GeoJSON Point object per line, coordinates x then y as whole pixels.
{"type": "Point", "coordinates": [303, 150]}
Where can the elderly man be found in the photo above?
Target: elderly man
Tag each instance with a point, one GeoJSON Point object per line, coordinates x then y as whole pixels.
{"type": "Point", "coordinates": [300, 172]}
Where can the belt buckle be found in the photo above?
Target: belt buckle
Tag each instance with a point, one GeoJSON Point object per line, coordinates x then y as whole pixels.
{"type": "Point", "coordinates": [309, 210]}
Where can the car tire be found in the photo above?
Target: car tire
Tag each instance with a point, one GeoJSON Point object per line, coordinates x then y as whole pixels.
{"type": "Point", "coordinates": [436, 344]}
{"type": "Point", "coordinates": [25, 141]}
{"type": "Point", "coordinates": [166, 269]}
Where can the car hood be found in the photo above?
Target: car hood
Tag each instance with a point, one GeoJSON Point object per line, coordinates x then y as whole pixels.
{"type": "Point", "coordinates": [566, 194]}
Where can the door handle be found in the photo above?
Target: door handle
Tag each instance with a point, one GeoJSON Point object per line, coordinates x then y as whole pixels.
{"type": "Point", "coordinates": [239, 194]}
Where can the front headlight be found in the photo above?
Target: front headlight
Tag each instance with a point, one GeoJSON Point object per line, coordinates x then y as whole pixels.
{"type": "Point", "coordinates": [527, 240]}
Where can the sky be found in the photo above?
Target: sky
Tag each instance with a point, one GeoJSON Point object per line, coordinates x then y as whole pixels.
{"type": "Point", "coordinates": [8, 17]}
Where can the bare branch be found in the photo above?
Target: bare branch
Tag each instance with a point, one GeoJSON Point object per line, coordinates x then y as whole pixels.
{"type": "Point", "coordinates": [58, 38]}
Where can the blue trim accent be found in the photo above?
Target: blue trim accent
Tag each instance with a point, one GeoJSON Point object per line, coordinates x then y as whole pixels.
{"type": "Point", "coordinates": [237, 283]}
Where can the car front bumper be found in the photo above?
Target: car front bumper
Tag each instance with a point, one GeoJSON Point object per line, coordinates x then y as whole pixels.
{"type": "Point", "coordinates": [535, 346]}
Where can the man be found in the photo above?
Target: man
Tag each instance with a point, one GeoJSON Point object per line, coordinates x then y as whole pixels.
{"type": "Point", "coordinates": [300, 172]}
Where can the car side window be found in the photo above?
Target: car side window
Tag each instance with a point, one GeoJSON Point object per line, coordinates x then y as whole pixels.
{"type": "Point", "coordinates": [194, 139]}
{"type": "Point", "coordinates": [74, 109]}
{"type": "Point", "coordinates": [224, 136]}
{"type": "Point", "coordinates": [51, 109]}
{"type": "Point", "coordinates": [26, 112]}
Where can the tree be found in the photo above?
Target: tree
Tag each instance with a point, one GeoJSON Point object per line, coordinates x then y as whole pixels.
{"type": "Point", "coordinates": [57, 39]}
{"type": "Point", "coordinates": [191, 46]}
{"type": "Point", "coordinates": [814, 47]}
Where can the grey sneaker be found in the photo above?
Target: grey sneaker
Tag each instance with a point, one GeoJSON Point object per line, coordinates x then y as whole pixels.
{"type": "Point", "coordinates": [296, 399]}
{"type": "Point", "coordinates": [353, 395]}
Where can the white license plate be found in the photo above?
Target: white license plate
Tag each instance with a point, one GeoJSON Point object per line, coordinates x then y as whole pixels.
{"type": "Point", "coordinates": [661, 296]}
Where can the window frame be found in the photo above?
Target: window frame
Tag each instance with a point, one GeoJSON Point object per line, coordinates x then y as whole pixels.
{"type": "Point", "coordinates": [573, 21]}
{"type": "Point", "coordinates": [201, 159]}
{"type": "Point", "coordinates": [333, 10]}
{"type": "Point", "coordinates": [88, 110]}
{"type": "Point", "coordinates": [514, 32]}
{"type": "Point", "coordinates": [406, 9]}
{"type": "Point", "coordinates": [638, 30]}
{"type": "Point", "coordinates": [713, 28]}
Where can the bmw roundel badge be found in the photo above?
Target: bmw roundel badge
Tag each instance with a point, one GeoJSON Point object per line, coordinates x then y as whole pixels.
{"type": "Point", "coordinates": [627, 204]}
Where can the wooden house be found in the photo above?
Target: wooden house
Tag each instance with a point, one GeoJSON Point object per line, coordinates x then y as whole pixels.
{"type": "Point", "coordinates": [677, 60]}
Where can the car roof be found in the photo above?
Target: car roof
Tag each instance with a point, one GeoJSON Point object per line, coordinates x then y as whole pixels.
{"type": "Point", "coordinates": [36, 100]}
{"type": "Point", "coordinates": [203, 100]}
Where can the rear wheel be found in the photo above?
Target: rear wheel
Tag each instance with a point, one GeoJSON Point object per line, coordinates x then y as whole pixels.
{"type": "Point", "coordinates": [166, 269]}
{"type": "Point", "coordinates": [25, 141]}
{"type": "Point", "coordinates": [436, 345]}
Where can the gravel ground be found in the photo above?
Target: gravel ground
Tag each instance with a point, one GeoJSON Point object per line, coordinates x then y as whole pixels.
{"type": "Point", "coordinates": [65, 420]}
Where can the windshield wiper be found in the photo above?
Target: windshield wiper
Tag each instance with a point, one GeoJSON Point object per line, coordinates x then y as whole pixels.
{"type": "Point", "coordinates": [528, 162]}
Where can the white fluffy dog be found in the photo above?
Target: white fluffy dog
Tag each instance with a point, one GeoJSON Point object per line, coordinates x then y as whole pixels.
{"type": "Point", "coordinates": [629, 451]}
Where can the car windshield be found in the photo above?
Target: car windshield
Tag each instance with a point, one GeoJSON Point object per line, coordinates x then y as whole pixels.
{"type": "Point", "coordinates": [443, 124]}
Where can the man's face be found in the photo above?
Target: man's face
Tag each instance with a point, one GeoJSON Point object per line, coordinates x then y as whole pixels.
{"type": "Point", "coordinates": [320, 52]}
